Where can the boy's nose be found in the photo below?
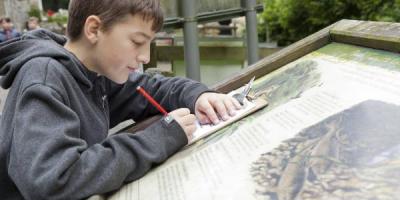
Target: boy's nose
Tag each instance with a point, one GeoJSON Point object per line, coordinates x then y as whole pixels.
{"type": "Point", "coordinates": [144, 54]}
{"type": "Point", "coordinates": [144, 58]}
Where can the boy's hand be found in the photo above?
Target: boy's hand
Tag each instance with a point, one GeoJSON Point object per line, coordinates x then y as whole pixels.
{"type": "Point", "coordinates": [185, 120]}
{"type": "Point", "coordinates": [211, 106]}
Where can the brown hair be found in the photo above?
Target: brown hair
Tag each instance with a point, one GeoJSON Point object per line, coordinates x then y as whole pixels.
{"type": "Point", "coordinates": [111, 12]}
{"type": "Point", "coordinates": [6, 19]}
{"type": "Point", "coordinates": [33, 19]}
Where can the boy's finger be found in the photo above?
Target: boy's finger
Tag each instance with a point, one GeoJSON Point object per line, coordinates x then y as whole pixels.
{"type": "Point", "coordinates": [181, 112]}
{"type": "Point", "coordinates": [203, 119]}
{"type": "Point", "coordinates": [209, 111]}
{"type": "Point", "coordinates": [192, 129]}
{"type": "Point", "coordinates": [229, 105]}
{"type": "Point", "coordinates": [236, 103]}
{"type": "Point", "coordinates": [189, 132]}
{"type": "Point", "coordinates": [221, 109]}
{"type": "Point", "coordinates": [189, 120]}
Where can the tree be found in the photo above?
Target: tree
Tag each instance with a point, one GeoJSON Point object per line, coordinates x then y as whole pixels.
{"type": "Point", "coordinates": [291, 20]}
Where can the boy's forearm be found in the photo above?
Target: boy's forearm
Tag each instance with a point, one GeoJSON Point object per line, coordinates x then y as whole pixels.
{"type": "Point", "coordinates": [171, 93]}
{"type": "Point", "coordinates": [98, 169]}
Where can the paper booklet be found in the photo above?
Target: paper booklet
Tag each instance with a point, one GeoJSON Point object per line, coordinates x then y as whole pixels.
{"type": "Point", "coordinates": [207, 129]}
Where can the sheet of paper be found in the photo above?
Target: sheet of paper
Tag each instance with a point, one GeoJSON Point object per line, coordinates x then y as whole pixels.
{"type": "Point", "coordinates": [206, 129]}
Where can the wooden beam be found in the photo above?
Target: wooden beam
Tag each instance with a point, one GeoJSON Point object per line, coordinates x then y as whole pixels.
{"type": "Point", "coordinates": [377, 35]}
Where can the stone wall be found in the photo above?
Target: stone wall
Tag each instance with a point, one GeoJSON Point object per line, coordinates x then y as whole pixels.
{"type": "Point", "coordinates": [2, 8]}
{"type": "Point", "coordinates": [17, 10]}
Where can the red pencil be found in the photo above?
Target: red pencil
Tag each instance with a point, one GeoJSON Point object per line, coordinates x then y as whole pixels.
{"type": "Point", "coordinates": [151, 100]}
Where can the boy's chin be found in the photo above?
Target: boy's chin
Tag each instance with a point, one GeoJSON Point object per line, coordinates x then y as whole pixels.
{"type": "Point", "coordinates": [133, 76]}
{"type": "Point", "coordinates": [120, 80]}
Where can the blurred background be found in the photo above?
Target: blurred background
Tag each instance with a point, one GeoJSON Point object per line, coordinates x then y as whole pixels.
{"type": "Point", "coordinates": [220, 44]}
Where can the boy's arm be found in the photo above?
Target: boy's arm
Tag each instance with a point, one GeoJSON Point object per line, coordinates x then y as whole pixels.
{"type": "Point", "coordinates": [171, 93]}
{"type": "Point", "coordinates": [49, 160]}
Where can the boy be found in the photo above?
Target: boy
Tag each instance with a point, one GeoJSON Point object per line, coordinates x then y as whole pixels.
{"type": "Point", "coordinates": [32, 24]}
{"type": "Point", "coordinates": [66, 94]}
{"type": "Point", "coordinates": [7, 31]}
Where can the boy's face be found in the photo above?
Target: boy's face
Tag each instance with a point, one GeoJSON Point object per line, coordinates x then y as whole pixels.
{"type": "Point", "coordinates": [121, 49]}
{"type": "Point", "coordinates": [32, 24]}
{"type": "Point", "coordinates": [5, 25]}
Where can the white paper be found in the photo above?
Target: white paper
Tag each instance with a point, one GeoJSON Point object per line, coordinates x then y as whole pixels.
{"type": "Point", "coordinates": [206, 129]}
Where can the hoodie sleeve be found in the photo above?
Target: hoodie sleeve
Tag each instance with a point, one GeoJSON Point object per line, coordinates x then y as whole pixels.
{"type": "Point", "coordinates": [48, 160]}
{"type": "Point", "coordinates": [172, 93]}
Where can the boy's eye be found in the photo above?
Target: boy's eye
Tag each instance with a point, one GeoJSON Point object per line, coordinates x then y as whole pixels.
{"type": "Point", "coordinates": [137, 43]}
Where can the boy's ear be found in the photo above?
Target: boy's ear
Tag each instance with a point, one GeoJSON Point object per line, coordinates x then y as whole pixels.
{"type": "Point", "coordinates": [92, 28]}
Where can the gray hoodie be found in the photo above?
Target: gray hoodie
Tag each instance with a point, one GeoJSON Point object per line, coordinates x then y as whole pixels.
{"type": "Point", "coordinates": [53, 131]}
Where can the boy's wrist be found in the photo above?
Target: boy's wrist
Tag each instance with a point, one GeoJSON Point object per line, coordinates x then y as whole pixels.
{"type": "Point", "coordinates": [173, 132]}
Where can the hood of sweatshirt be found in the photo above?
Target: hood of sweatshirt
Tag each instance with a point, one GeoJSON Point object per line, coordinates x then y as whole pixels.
{"type": "Point", "coordinates": [39, 43]}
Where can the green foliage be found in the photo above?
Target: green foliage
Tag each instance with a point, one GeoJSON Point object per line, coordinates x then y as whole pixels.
{"type": "Point", "coordinates": [34, 11]}
{"type": "Point", "coordinates": [60, 17]}
{"type": "Point", "coordinates": [291, 20]}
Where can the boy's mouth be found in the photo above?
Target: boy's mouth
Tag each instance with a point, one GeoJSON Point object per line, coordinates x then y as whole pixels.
{"type": "Point", "coordinates": [132, 69]}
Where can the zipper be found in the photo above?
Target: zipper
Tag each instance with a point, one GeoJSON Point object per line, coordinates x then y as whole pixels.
{"type": "Point", "coordinates": [103, 98]}
{"type": "Point", "coordinates": [103, 109]}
